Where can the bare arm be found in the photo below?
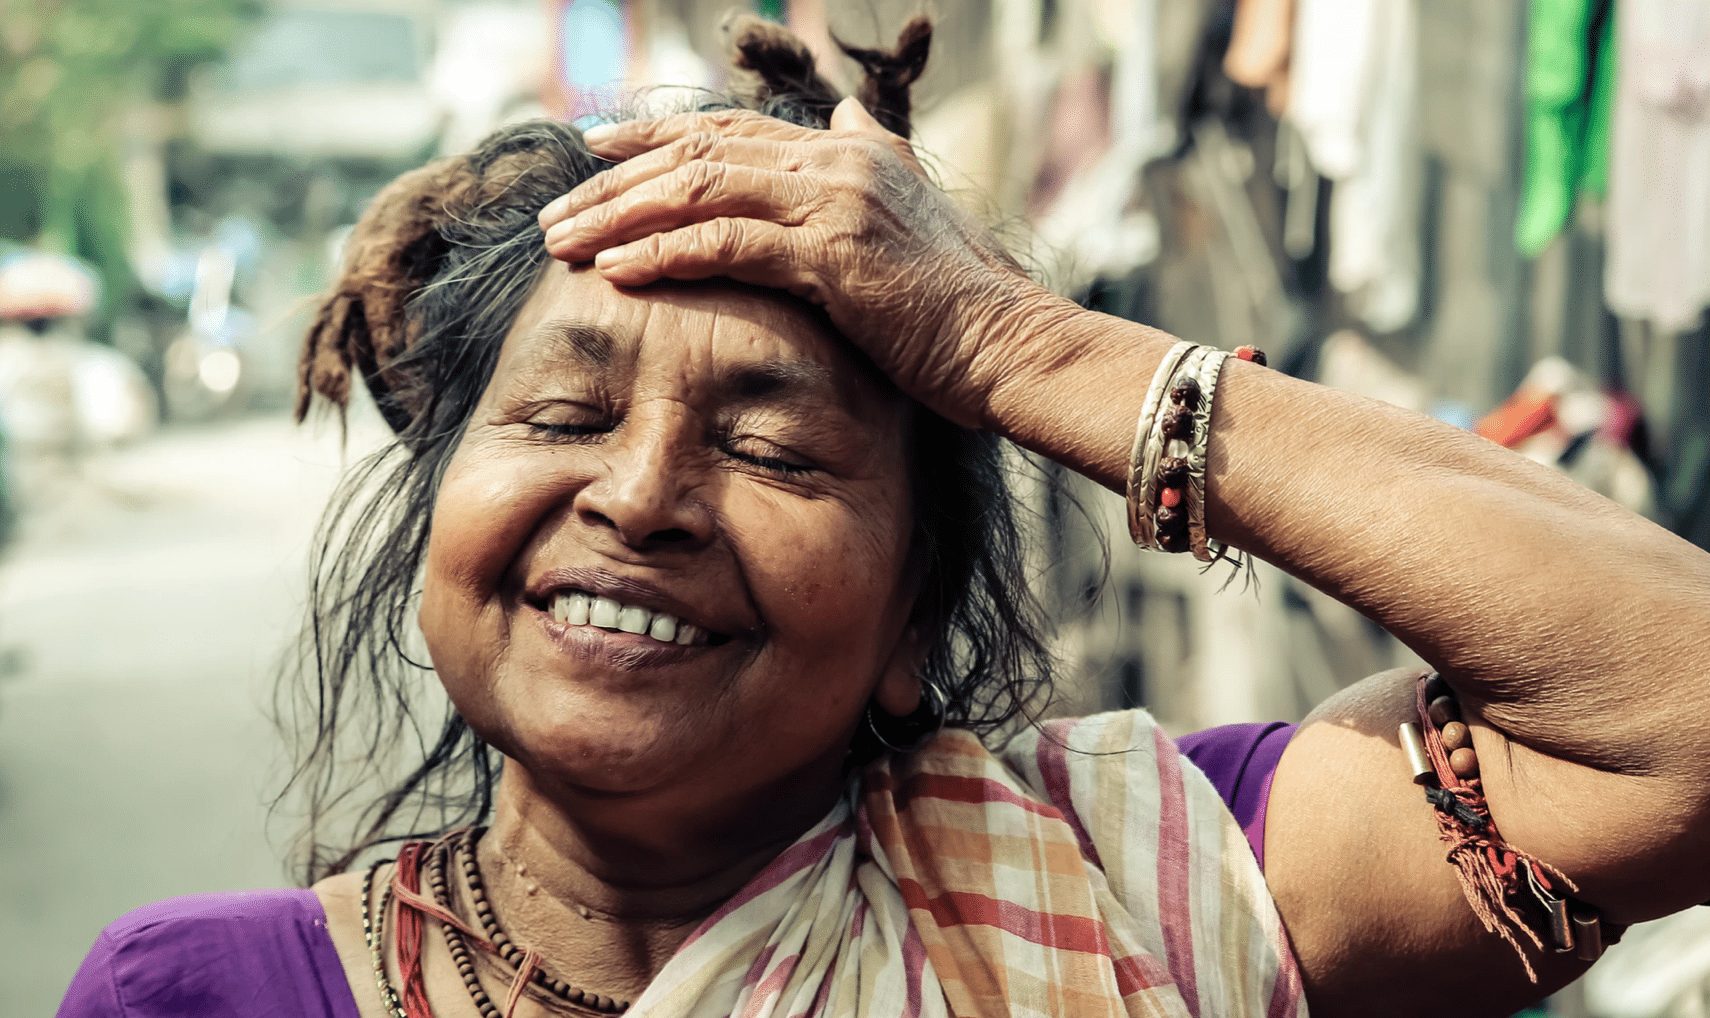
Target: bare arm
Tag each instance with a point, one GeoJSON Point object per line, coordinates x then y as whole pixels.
{"type": "Point", "coordinates": [1576, 634]}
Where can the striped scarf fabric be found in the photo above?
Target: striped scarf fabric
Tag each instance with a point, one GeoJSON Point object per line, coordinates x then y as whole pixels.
{"type": "Point", "coordinates": [1085, 870]}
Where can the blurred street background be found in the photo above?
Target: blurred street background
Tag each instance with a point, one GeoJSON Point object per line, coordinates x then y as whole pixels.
{"type": "Point", "coordinates": [1493, 211]}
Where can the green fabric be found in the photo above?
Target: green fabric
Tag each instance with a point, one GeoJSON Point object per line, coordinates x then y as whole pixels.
{"type": "Point", "coordinates": [1570, 92]}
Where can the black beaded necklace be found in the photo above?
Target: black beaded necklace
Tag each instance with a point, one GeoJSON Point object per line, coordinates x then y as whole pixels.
{"type": "Point", "coordinates": [510, 952]}
{"type": "Point", "coordinates": [373, 931]}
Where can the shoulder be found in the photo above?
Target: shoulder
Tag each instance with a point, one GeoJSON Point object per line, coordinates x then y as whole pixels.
{"type": "Point", "coordinates": [1171, 853]}
{"type": "Point", "coordinates": [211, 955]}
{"type": "Point", "coordinates": [192, 913]}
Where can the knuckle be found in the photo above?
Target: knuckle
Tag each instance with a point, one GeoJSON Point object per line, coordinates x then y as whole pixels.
{"type": "Point", "coordinates": [700, 179]}
{"type": "Point", "coordinates": [726, 239]}
{"type": "Point", "coordinates": [701, 145]}
{"type": "Point", "coordinates": [737, 117]}
{"type": "Point", "coordinates": [602, 188]}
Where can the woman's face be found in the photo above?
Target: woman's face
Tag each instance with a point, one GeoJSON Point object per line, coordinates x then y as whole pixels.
{"type": "Point", "coordinates": [702, 456]}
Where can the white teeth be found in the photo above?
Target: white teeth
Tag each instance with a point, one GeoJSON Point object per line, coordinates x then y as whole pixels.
{"type": "Point", "coordinates": [663, 629]}
{"type": "Point", "coordinates": [579, 609]}
{"type": "Point", "coordinates": [633, 620]}
{"type": "Point", "coordinates": [604, 613]}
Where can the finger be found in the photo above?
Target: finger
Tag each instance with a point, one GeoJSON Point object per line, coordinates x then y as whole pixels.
{"type": "Point", "coordinates": [688, 194]}
{"type": "Point", "coordinates": [746, 250]}
{"type": "Point", "coordinates": [633, 137]}
{"type": "Point", "coordinates": [608, 184]}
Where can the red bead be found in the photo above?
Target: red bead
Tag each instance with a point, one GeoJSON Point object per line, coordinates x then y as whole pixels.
{"type": "Point", "coordinates": [1170, 498]}
{"type": "Point", "coordinates": [1251, 353]}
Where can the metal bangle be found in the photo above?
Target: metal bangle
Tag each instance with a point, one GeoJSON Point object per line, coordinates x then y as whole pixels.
{"type": "Point", "coordinates": [1207, 372]}
{"type": "Point", "coordinates": [1143, 459]}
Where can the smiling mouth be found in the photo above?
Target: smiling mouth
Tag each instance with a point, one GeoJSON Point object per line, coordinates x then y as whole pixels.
{"type": "Point", "coordinates": [579, 608]}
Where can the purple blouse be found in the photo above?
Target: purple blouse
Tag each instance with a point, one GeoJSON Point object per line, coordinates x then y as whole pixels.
{"type": "Point", "coordinates": [267, 954]}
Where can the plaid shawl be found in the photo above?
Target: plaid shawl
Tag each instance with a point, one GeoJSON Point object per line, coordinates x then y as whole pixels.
{"type": "Point", "coordinates": [1085, 871]}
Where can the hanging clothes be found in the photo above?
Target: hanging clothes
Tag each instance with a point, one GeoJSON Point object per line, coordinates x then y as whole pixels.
{"type": "Point", "coordinates": [1658, 263]}
{"type": "Point", "coordinates": [1569, 90]}
{"type": "Point", "coordinates": [1259, 45]}
{"type": "Point", "coordinates": [1352, 95]}
{"type": "Point", "coordinates": [1103, 126]}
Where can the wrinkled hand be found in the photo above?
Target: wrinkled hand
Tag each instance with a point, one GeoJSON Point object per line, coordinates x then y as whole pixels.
{"type": "Point", "coordinates": [843, 218]}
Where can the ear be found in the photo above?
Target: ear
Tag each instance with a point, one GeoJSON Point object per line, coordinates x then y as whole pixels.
{"type": "Point", "coordinates": [899, 690]}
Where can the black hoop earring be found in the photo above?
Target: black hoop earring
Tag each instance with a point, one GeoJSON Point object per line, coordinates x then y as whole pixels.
{"type": "Point", "coordinates": [930, 719]}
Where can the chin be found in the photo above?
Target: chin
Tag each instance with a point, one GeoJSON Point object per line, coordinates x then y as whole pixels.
{"type": "Point", "coordinates": [603, 743]}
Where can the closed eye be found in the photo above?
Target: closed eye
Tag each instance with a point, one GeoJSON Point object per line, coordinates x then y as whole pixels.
{"type": "Point", "coordinates": [567, 430]}
{"type": "Point", "coordinates": [783, 467]}
{"type": "Point", "coordinates": [777, 465]}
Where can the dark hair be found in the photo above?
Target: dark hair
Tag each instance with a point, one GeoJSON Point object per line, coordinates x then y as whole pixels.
{"type": "Point", "coordinates": [435, 274]}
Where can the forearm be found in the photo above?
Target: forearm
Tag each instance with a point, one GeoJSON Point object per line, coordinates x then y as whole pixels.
{"type": "Point", "coordinates": [1579, 628]}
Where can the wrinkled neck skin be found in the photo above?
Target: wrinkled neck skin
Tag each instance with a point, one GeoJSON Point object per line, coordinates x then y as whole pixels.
{"type": "Point", "coordinates": [607, 887]}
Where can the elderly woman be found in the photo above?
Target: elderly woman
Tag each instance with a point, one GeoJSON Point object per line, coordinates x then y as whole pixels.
{"type": "Point", "coordinates": [705, 501]}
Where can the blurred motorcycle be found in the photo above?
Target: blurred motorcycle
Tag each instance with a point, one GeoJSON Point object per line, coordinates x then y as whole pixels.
{"type": "Point", "coordinates": [204, 369]}
{"type": "Point", "coordinates": [62, 396]}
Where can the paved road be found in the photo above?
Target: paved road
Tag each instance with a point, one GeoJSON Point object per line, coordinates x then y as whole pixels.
{"type": "Point", "coordinates": [147, 611]}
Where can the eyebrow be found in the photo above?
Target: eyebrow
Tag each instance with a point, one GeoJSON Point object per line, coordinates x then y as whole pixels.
{"type": "Point", "coordinates": [590, 344]}
{"type": "Point", "coordinates": [776, 381]}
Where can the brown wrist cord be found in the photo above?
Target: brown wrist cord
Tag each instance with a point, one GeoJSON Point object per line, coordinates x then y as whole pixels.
{"type": "Point", "coordinates": [1486, 865]}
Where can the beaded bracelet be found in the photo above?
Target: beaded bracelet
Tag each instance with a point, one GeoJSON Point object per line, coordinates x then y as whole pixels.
{"type": "Point", "coordinates": [1495, 876]}
{"type": "Point", "coordinates": [1142, 460]}
{"type": "Point", "coordinates": [1166, 476]}
{"type": "Point", "coordinates": [1171, 493]}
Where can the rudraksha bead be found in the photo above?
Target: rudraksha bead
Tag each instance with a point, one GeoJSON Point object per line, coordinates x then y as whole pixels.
{"type": "Point", "coordinates": [1178, 423]}
{"type": "Point", "coordinates": [1173, 472]}
{"type": "Point", "coordinates": [1186, 392]}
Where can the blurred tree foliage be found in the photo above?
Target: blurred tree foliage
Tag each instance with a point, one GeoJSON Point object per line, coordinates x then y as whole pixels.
{"type": "Point", "coordinates": [71, 72]}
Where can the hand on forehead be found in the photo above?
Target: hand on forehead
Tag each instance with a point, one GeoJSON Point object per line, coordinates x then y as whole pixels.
{"type": "Point", "coordinates": [710, 332]}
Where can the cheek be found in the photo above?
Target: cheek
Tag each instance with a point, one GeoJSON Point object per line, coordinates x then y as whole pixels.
{"type": "Point", "coordinates": [487, 507]}
{"type": "Point", "coordinates": [827, 574]}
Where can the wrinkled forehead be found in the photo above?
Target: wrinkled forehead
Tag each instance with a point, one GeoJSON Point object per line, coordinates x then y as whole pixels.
{"type": "Point", "coordinates": [698, 330]}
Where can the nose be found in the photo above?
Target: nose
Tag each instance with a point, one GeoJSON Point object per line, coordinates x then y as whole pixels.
{"type": "Point", "coordinates": [644, 496]}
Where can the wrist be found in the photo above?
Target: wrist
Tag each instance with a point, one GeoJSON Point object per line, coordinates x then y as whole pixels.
{"type": "Point", "coordinates": [1028, 338]}
{"type": "Point", "coordinates": [1070, 386]}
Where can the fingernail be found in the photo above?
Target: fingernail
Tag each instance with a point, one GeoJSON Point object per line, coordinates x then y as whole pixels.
{"type": "Point", "coordinates": [611, 257]}
{"type": "Point", "coordinates": [599, 133]}
{"type": "Point", "coordinates": [560, 232]}
{"type": "Point", "coordinates": [554, 210]}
